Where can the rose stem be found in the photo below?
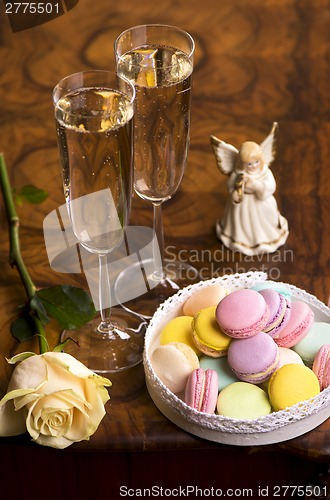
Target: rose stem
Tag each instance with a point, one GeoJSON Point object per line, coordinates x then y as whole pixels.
{"type": "Point", "coordinates": [15, 256]}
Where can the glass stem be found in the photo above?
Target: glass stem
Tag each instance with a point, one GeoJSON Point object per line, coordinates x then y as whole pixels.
{"type": "Point", "coordinates": [159, 248]}
{"type": "Point", "coordinates": [104, 296]}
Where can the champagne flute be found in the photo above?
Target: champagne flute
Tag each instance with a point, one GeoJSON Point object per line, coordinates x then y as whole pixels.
{"type": "Point", "coordinates": [93, 112]}
{"type": "Point", "coordinates": [158, 59]}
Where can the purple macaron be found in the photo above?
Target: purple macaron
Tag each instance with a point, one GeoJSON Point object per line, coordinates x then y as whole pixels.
{"type": "Point", "coordinates": [279, 309]}
{"type": "Point", "coordinates": [254, 359]}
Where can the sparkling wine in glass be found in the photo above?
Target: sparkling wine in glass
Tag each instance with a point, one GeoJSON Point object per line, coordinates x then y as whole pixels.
{"type": "Point", "coordinates": [158, 59]}
{"type": "Point", "coordinates": [93, 112]}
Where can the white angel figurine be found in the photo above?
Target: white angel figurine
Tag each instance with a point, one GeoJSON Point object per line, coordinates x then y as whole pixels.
{"type": "Point", "coordinates": [252, 223]}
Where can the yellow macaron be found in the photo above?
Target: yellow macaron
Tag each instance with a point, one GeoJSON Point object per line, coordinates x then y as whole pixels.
{"type": "Point", "coordinates": [291, 384]}
{"type": "Point", "coordinates": [207, 334]}
{"type": "Point", "coordinates": [179, 330]}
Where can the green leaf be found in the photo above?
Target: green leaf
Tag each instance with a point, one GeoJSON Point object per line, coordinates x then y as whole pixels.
{"type": "Point", "coordinates": [30, 194]}
{"type": "Point", "coordinates": [23, 328]}
{"type": "Point", "coordinates": [20, 357]}
{"type": "Point", "coordinates": [61, 346]}
{"type": "Point", "coordinates": [72, 307]}
{"type": "Point", "coordinates": [37, 305]}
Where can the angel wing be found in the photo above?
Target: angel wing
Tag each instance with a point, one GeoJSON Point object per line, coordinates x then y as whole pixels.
{"type": "Point", "coordinates": [268, 146]}
{"type": "Point", "coordinates": [225, 154]}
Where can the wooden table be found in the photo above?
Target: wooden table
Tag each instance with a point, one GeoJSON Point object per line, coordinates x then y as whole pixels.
{"type": "Point", "coordinates": [256, 62]}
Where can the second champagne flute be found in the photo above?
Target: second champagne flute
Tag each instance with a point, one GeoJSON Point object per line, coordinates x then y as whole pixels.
{"type": "Point", "coordinates": [158, 59]}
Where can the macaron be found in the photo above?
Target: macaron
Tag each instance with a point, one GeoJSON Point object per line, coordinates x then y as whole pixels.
{"type": "Point", "coordinates": [243, 401]}
{"type": "Point", "coordinates": [201, 390]}
{"type": "Point", "coordinates": [243, 313]}
{"type": "Point", "coordinates": [321, 366]}
{"type": "Point", "coordinates": [279, 287]}
{"type": "Point", "coordinates": [207, 334]}
{"type": "Point", "coordinates": [288, 356]}
{"type": "Point", "coordinates": [299, 324]}
{"type": "Point", "coordinates": [279, 311]}
{"type": "Point", "coordinates": [292, 384]}
{"type": "Point", "coordinates": [253, 359]}
{"type": "Point", "coordinates": [173, 364]}
{"type": "Point", "coordinates": [204, 297]}
{"type": "Point", "coordinates": [178, 330]}
{"type": "Point", "coordinates": [318, 335]}
{"type": "Point", "coordinates": [226, 375]}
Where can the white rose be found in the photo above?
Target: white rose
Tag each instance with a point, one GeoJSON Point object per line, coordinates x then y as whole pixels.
{"type": "Point", "coordinates": [54, 397]}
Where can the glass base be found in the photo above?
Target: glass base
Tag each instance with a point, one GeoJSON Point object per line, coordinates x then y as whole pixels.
{"type": "Point", "coordinates": [106, 353]}
{"type": "Point", "coordinates": [177, 276]}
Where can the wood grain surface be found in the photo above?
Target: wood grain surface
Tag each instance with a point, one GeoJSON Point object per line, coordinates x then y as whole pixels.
{"type": "Point", "coordinates": [256, 62]}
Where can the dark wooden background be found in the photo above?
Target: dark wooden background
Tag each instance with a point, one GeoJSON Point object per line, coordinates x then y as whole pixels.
{"type": "Point", "coordinates": [257, 61]}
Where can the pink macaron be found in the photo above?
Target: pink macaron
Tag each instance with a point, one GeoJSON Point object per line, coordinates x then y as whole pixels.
{"type": "Point", "coordinates": [242, 313]}
{"type": "Point", "coordinates": [279, 311]}
{"type": "Point", "coordinates": [321, 366]}
{"type": "Point", "coordinates": [254, 359]}
{"type": "Point", "coordinates": [202, 390]}
{"type": "Point", "coordinates": [300, 322]}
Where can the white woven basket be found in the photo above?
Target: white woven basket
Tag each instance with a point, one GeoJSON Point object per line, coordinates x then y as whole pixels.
{"type": "Point", "coordinates": [276, 427]}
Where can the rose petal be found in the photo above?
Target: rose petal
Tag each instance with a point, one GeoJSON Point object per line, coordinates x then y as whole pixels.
{"type": "Point", "coordinates": [68, 363]}
{"type": "Point", "coordinates": [12, 422]}
{"type": "Point", "coordinates": [55, 442]}
{"type": "Point", "coordinates": [53, 422]}
{"type": "Point", "coordinates": [61, 375]}
{"type": "Point", "coordinates": [16, 393]}
{"type": "Point", "coordinates": [82, 427]}
{"type": "Point", "coordinates": [25, 400]}
{"type": "Point", "coordinates": [78, 369]}
{"type": "Point", "coordinates": [74, 400]}
{"type": "Point", "coordinates": [29, 373]}
{"type": "Point", "coordinates": [90, 392]}
{"type": "Point", "coordinates": [97, 398]}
